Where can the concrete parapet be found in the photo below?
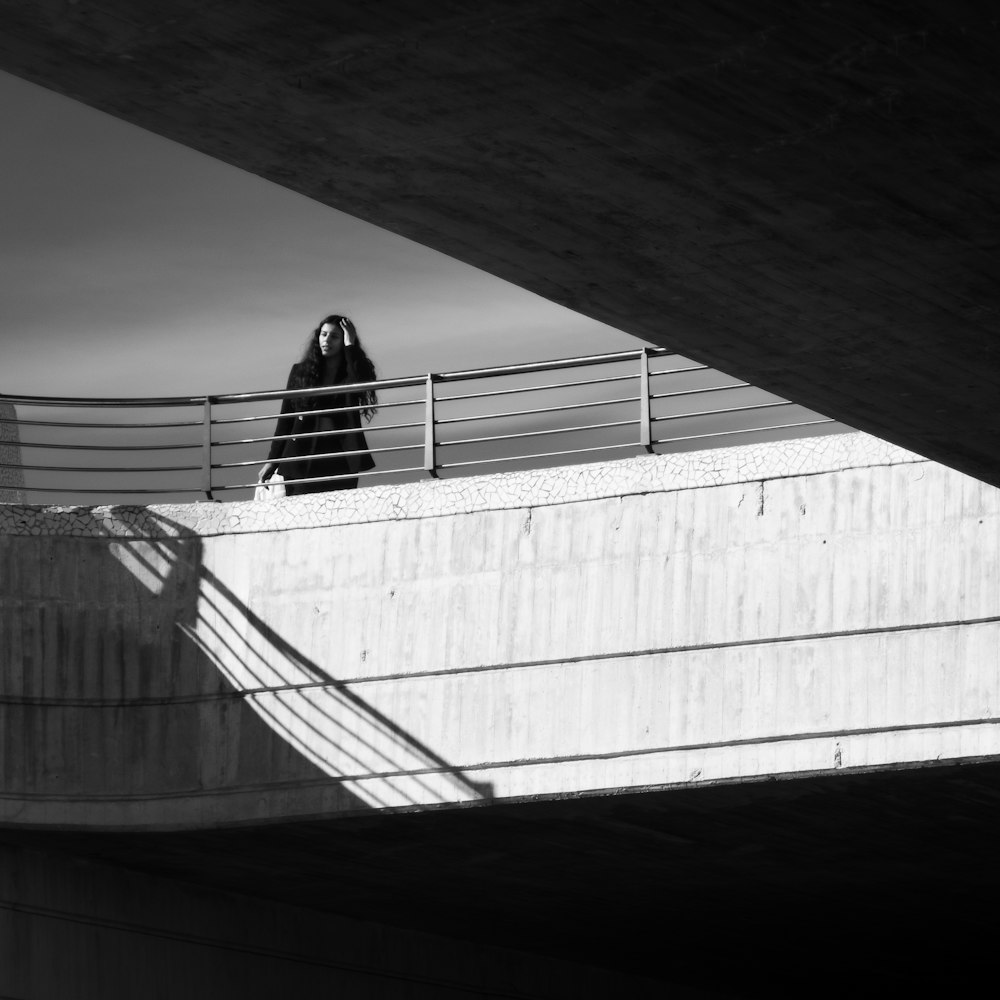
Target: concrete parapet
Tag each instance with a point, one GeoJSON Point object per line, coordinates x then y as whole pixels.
{"type": "Point", "coordinates": [589, 641]}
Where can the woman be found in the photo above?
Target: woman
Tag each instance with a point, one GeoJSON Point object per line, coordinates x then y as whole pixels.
{"type": "Point", "coordinates": [323, 443]}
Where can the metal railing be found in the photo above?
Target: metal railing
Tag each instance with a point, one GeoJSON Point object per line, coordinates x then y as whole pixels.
{"type": "Point", "coordinates": [481, 420]}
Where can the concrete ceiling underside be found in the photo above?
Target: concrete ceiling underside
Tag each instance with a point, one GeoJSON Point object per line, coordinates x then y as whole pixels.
{"type": "Point", "coordinates": [801, 194]}
{"type": "Point", "coordinates": [850, 884]}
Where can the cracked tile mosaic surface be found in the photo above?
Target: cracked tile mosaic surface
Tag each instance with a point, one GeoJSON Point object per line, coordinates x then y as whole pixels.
{"type": "Point", "coordinates": [442, 497]}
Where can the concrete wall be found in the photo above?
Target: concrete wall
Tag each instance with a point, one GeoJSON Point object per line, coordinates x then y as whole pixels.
{"type": "Point", "coordinates": [74, 930]}
{"type": "Point", "coordinates": [546, 633]}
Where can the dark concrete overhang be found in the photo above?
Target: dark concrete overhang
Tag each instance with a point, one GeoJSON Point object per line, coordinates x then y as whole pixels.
{"type": "Point", "coordinates": [843, 884]}
{"type": "Point", "coordinates": [801, 194]}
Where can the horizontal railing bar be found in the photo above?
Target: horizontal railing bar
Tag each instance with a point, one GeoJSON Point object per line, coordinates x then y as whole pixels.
{"type": "Point", "coordinates": [330, 454]}
{"type": "Point", "coordinates": [105, 468]}
{"type": "Point", "coordinates": [546, 454]}
{"type": "Point", "coordinates": [216, 421]}
{"type": "Point", "coordinates": [555, 365]}
{"type": "Point", "coordinates": [714, 413]}
{"type": "Point", "coordinates": [546, 409]}
{"type": "Point", "coordinates": [353, 408]}
{"type": "Point", "coordinates": [107, 447]}
{"type": "Point", "coordinates": [678, 371]}
{"type": "Point", "coordinates": [88, 489]}
{"type": "Point", "coordinates": [535, 388]}
{"type": "Point", "coordinates": [102, 402]}
{"type": "Point", "coordinates": [745, 430]}
{"type": "Point", "coordinates": [329, 479]}
{"type": "Point", "coordinates": [695, 392]}
{"type": "Point", "coordinates": [338, 432]}
{"type": "Point", "coordinates": [286, 437]}
{"type": "Point", "coordinates": [552, 430]}
{"type": "Point", "coordinates": [343, 430]}
{"type": "Point", "coordinates": [319, 390]}
{"type": "Point", "coordinates": [105, 426]}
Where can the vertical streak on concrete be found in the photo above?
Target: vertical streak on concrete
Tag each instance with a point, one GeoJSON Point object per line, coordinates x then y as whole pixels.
{"type": "Point", "coordinates": [11, 476]}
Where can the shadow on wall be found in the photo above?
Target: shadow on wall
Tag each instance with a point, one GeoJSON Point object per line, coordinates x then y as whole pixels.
{"type": "Point", "coordinates": [170, 688]}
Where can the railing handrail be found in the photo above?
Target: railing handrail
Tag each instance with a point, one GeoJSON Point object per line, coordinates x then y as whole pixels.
{"type": "Point", "coordinates": [102, 402]}
{"type": "Point", "coordinates": [555, 365]}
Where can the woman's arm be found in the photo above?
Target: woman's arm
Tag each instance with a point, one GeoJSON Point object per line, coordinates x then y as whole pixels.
{"type": "Point", "coordinates": [350, 336]}
{"type": "Point", "coordinates": [358, 367]}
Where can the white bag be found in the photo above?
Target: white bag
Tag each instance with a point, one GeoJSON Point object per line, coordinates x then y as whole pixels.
{"type": "Point", "coordinates": [273, 489]}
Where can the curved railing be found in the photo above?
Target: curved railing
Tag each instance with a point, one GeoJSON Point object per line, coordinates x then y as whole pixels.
{"type": "Point", "coordinates": [448, 423]}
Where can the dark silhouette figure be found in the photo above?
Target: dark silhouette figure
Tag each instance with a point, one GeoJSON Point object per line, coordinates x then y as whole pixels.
{"type": "Point", "coordinates": [322, 433]}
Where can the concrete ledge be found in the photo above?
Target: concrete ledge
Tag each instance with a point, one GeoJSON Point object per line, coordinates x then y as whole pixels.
{"type": "Point", "coordinates": [442, 497]}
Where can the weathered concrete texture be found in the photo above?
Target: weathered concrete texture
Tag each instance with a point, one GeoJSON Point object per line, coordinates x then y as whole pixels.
{"type": "Point", "coordinates": [72, 930]}
{"type": "Point", "coordinates": [11, 476]}
{"type": "Point", "coordinates": [801, 194]}
{"type": "Point", "coordinates": [835, 620]}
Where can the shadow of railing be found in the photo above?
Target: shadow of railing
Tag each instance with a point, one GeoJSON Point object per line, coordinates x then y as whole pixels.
{"type": "Point", "coordinates": [323, 718]}
{"type": "Point", "coordinates": [157, 573]}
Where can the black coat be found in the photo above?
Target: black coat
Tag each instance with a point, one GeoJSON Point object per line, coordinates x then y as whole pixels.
{"type": "Point", "coordinates": [323, 455]}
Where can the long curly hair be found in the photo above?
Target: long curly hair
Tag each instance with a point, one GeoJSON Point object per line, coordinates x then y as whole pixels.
{"type": "Point", "coordinates": [359, 367]}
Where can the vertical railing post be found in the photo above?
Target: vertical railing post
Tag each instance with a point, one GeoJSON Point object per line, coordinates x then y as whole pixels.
{"type": "Point", "coordinates": [430, 453]}
{"type": "Point", "coordinates": [645, 421]}
{"type": "Point", "coordinates": [206, 449]}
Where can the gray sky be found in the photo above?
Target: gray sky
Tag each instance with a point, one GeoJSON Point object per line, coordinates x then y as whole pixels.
{"type": "Point", "coordinates": [133, 266]}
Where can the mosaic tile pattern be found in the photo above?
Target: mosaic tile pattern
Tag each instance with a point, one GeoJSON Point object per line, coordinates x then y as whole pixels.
{"type": "Point", "coordinates": [441, 497]}
{"type": "Point", "coordinates": [11, 479]}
